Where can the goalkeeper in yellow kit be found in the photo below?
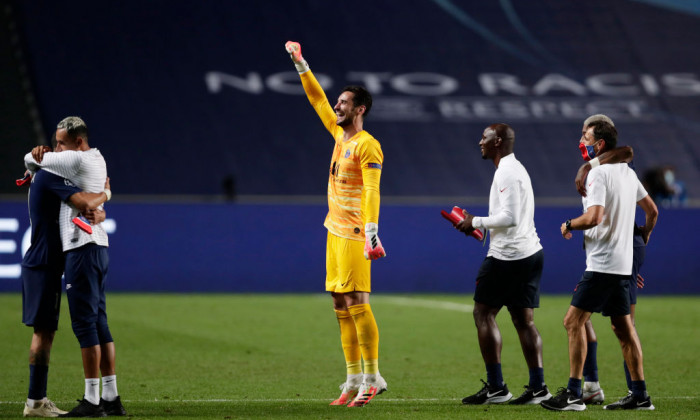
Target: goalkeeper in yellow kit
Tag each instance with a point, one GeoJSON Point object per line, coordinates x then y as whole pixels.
{"type": "Point", "coordinates": [353, 213]}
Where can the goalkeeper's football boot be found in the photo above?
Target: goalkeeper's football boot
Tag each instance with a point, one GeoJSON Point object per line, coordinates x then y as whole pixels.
{"type": "Point", "coordinates": [593, 393]}
{"type": "Point", "coordinates": [372, 386]}
{"type": "Point", "coordinates": [531, 396]}
{"type": "Point", "coordinates": [630, 402]}
{"type": "Point", "coordinates": [488, 395]}
{"type": "Point", "coordinates": [348, 392]}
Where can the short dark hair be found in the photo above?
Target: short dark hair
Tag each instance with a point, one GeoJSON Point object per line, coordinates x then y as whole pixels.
{"type": "Point", "coordinates": [361, 97]}
{"type": "Point", "coordinates": [606, 131]}
{"type": "Point", "coordinates": [74, 126]}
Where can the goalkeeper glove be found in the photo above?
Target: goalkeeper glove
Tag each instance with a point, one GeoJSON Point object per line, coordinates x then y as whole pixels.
{"type": "Point", "coordinates": [457, 216]}
{"type": "Point", "coordinates": [373, 246]}
{"type": "Point", "coordinates": [294, 50]}
{"type": "Point", "coordinates": [27, 178]}
{"type": "Point", "coordinates": [83, 224]}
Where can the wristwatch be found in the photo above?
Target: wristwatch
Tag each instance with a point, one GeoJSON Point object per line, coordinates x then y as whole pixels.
{"type": "Point", "coordinates": [567, 224]}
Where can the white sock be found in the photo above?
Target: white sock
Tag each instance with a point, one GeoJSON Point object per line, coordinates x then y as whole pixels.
{"type": "Point", "coordinates": [354, 380]}
{"type": "Point", "coordinates": [109, 388]}
{"type": "Point", "coordinates": [370, 378]}
{"type": "Point", "coordinates": [92, 390]}
{"type": "Point", "coordinates": [34, 403]}
{"type": "Point", "coordinates": [591, 385]}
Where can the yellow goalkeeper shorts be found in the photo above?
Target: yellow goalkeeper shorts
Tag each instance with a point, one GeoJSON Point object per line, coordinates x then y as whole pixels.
{"type": "Point", "coordinates": [347, 270]}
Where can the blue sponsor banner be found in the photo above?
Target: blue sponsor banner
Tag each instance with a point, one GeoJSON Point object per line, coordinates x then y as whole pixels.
{"type": "Point", "coordinates": [281, 248]}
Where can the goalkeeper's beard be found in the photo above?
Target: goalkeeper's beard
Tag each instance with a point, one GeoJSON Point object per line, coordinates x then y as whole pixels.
{"type": "Point", "coordinates": [345, 122]}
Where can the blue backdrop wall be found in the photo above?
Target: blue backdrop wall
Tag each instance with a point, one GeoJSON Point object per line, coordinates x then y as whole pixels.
{"type": "Point", "coordinates": [280, 248]}
{"type": "Point", "coordinates": [206, 86]}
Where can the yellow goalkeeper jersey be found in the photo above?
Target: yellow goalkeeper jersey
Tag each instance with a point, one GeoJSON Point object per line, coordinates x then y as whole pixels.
{"type": "Point", "coordinates": [355, 170]}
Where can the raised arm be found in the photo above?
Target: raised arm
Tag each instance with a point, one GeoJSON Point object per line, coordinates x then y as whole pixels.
{"type": "Point", "coordinates": [617, 155]}
{"type": "Point", "coordinates": [314, 91]}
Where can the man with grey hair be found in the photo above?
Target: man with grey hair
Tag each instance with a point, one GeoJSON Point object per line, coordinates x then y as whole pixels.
{"type": "Point", "coordinates": [86, 266]}
{"type": "Point", "coordinates": [592, 392]}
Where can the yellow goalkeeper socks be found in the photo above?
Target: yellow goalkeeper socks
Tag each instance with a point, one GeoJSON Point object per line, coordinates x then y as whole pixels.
{"type": "Point", "coordinates": [367, 336]}
{"type": "Point", "coordinates": [348, 338]}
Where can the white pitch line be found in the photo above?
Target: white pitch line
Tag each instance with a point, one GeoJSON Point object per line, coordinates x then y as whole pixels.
{"type": "Point", "coordinates": [426, 303]}
{"type": "Point", "coordinates": [284, 400]}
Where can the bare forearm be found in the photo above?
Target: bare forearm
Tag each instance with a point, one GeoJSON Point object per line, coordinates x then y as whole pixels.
{"type": "Point", "coordinates": [617, 155]}
{"type": "Point", "coordinates": [84, 201]}
{"type": "Point", "coordinates": [651, 213]}
{"type": "Point", "coordinates": [590, 219]}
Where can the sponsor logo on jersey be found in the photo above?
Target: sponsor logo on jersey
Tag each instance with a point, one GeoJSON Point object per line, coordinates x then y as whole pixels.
{"type": "Point", "coordinates": [374, 165]}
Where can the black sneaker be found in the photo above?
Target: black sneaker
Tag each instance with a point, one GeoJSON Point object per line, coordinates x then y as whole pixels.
{"type": "Point", "coordinates": [113, 408]}
{"type": "Point", "coordinates": [85, 409]}
{"type": "Point", "coordinates": [488, 395]}
{"type": "Point", "coordinates": [630, 402]}
{"type": "Point", "coordinates": [530, 396]}
{"type": "Point", "coordinates": [565, 400]}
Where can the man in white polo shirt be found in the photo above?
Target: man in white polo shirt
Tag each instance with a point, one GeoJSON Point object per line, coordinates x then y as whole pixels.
{"type": "Point", "coordinates": [608, 222]}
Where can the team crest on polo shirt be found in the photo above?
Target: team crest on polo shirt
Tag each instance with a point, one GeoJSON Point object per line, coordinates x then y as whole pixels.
{"type": "Point", "coordinates": [347, 153]}
{"type": "Point", "coordinates": [68, 183]}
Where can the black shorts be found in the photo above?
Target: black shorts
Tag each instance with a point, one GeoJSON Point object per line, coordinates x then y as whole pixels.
{"type": "Point", "coordinates": [41, 296]}
{"type": "Point", "coordinates": [603, 292]}
{"type": "Point", "coordinates": [86, 270]}
{"type": "Point", "coordinates": [638, 256]}
{"type": "Point", "coordinates": [514, 284]}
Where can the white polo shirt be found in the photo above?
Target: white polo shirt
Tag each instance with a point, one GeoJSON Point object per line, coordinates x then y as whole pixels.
{"type": "Point", "coordinates": [609, 245]}
{"type": "Point", "coordinates": [88, 171]}
{"type": "Point", "coordinates": [511, 213]}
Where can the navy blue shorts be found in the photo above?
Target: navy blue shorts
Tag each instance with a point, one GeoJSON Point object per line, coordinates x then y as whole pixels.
{"type": "Point", "coordinates": [41, 296]}
{"type": "Point", "coordinates": [514, 284]}
{"type": "Point", "coordinates": [603, 292]}
{"type": "Point", "coordinates": [86, 271]}
{"type": "Point", "coordinates": [638, 256]}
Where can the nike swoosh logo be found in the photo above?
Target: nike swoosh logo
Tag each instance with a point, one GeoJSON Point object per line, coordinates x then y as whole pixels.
{"type": "Point", "coordinates": [639, 404]}
{"type": "Point", "coordinates": [504, 189]}
{"type": "Point", "coordinates": [536, 394]}
{"type": "Point", "coordinates": [590, 184]}
{"type": "Point", "coordinates": [489, 395]}
{"type": "Point", "coordinates": [576, 401]}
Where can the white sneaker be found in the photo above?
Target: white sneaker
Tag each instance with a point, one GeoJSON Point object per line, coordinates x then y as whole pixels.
{"type": "Point", "coordinates": [46, 408]}
{"type": "Point", "coordinates": [372, 385]}
{"type": "Point", "coordinates": [592, 393]}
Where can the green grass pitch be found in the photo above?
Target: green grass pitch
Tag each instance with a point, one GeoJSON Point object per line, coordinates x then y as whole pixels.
{"type": "Point", "coordinates": [232, 356]}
